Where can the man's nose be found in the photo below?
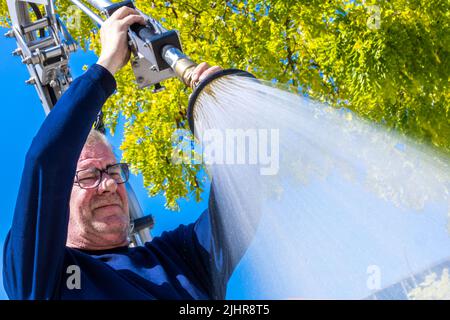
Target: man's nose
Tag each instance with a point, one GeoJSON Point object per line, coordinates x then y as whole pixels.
{"type": "Point", "coordinates": [107, 185]}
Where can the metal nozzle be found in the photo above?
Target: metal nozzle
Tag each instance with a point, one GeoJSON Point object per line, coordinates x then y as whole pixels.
{"type": "Point", "coordinates": [180, 63]}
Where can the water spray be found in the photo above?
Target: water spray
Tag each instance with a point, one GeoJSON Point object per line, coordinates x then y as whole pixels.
{"type": "Point", "coordinates": [206, 83]}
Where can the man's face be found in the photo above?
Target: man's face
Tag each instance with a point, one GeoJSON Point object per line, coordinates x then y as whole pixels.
{"type": "Point", "coordinates": [99, 217]}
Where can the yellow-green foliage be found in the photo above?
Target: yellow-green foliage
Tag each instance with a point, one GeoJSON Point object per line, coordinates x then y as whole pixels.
{"type": "Point", "coordinates": [386, 60]}
{"type": "Point", "coordinates": [3, 14]}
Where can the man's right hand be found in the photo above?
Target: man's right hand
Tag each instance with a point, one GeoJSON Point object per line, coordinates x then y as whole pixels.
{"type": "Point", "coordinates": [114, 38]}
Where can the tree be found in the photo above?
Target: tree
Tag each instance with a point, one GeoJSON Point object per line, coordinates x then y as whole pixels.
{"type": "Point", "coordinates": [388, 61]}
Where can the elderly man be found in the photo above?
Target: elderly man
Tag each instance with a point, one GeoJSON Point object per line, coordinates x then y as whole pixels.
{"type": "Point", "coordinates": [72, 211]}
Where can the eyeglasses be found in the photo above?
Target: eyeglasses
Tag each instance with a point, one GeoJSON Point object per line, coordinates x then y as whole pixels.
{"type": "Point", "coordinates": [91, 178]}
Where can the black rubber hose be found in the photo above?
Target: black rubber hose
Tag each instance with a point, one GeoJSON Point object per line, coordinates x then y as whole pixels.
{"type": "Point", "coordinates": [38, 14]}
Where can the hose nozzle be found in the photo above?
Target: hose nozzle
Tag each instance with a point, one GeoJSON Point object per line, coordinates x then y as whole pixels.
{"type": "Point", "coordinates": [182, 65]}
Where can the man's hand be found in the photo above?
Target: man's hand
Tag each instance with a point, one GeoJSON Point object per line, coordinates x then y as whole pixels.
{"type": "Point", "coordinates": [113, 34]}
{"type": "Point", "coordinates": [202, 71]}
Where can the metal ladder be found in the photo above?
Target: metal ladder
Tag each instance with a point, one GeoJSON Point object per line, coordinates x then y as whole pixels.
{"type": "Point", "coordinates": [45, 45]}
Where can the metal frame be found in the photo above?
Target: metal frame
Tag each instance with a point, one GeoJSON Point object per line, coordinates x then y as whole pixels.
{"type": "Point", "coordinates": [46, 54]}
{"type": "Point", "coordinates": [45, 46]}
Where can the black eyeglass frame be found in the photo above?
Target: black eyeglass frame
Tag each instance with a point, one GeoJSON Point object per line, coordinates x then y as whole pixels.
{"type": "Point", "coordinates": [123, 166]}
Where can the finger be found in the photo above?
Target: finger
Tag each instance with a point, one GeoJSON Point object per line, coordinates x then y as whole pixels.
{"type": "Point", "coordinates": [131, 19]}
{"type": "Point", "coordinates": [122, 13]}
{"type": "Point", "coordinates": [209, 72]}
{"type": "Point", "coordinates": [198, 71]}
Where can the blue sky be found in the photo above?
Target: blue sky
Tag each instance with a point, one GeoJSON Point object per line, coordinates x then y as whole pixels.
{"type": "Point", "coordinates": [22, 114]}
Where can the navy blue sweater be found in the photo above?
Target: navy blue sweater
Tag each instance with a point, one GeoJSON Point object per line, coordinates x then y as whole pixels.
{"type": "Point", "coordinates": [190, 262]}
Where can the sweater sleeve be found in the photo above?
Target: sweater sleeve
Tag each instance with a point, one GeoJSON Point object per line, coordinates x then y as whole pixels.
{"type": "Point", "coordinates": [35, 245]}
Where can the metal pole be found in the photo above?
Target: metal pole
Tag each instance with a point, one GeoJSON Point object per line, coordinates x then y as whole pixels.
{"type": "Point", "coordinates": [88, 11]}
{"type": "Point", "coordinates": [181, 64]}
{"type": "Point", "coordinates": [100, 4]}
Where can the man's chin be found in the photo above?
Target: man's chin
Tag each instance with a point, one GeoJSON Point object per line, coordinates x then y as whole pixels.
{"type": "Point", "coordinates": [112, 224]}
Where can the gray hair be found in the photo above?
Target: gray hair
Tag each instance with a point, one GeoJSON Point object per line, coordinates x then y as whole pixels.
{"type": "Point", "coordinates": [95, 137]}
